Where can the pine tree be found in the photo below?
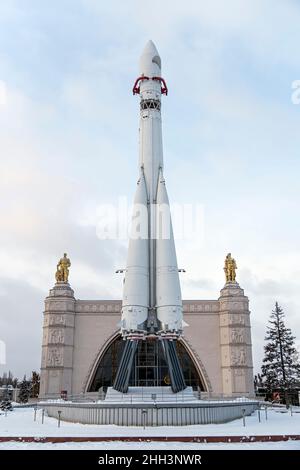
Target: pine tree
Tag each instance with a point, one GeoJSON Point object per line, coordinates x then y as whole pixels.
{"type": "Point", "coordinates": [5, 404]}
{"type": "Point", "coordinates": [258, 381]}
{"type": "Point", "coordinates": [8, 379]}
{"type": "Point", "coordinates": [281, 367]}
{"type": "Point", "coordinates": [25, 390]}
{"type": "Point", "coordinates": [35, 381]}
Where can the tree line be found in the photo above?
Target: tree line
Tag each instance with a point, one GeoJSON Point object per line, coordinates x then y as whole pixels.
{"type": "Point", "coordinates": [28, 388]}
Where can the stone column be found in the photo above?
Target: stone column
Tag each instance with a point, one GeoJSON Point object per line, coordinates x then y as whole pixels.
{"type": "Point", "coordinates": [58, 341]}
{"type": "Point", "coordinates": [235, 341]}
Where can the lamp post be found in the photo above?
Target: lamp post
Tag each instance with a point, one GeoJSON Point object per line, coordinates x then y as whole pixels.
{"type": "Point", "coordinates": [244, 417]}
{"type": "Point", "coordinates": [144, 415]}
{"type": "Point", "coordinates": [59, 415]}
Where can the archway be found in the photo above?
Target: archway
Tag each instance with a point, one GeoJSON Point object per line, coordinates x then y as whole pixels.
{"type": "Point", "coordinates": [150, 366]}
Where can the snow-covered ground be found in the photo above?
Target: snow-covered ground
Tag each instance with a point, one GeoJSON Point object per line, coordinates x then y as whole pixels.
{"type": "Point", "coordinates": [21, 422]}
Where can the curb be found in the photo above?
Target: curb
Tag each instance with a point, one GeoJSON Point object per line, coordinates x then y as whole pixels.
{"type": "Point", "coordinates": [195, 439]}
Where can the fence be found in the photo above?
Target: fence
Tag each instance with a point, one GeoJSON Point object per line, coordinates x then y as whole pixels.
{"type": "Point", "coordinates": [150, 414]}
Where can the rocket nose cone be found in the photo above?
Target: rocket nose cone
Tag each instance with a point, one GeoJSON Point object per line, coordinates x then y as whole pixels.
{"type": "Point", "coordinates": [150, 48]}
{"type": "Point", "coordinates": [150, 62]}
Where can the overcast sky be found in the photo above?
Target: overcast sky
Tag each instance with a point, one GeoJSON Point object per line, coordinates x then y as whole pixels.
{"type": "Point", "coordinates": [69, 143]}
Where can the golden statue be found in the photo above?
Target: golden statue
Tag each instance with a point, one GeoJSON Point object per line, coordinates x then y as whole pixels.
{"type": "Point", "coordinates": [230, 268]}
{"type": "Point", "coordinates": [62, 271]}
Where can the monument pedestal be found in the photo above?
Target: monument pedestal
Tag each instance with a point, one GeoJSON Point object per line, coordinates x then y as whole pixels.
{"type": "Point", "coordinates": [235, 341]}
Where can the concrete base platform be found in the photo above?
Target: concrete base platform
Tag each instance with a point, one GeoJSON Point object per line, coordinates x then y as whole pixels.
{"type": "Point", "coordinates": [151, 407]}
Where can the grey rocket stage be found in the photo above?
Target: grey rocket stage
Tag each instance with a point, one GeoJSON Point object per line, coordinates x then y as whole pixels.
{"type": "Point", "coordinates": [152, 303]}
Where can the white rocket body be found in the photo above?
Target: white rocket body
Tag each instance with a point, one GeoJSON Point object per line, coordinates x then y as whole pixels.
{"type": "Point", "coordinates": [168, 292]}
{"type": "Point", "coordinates": [152, 291]}
{"type": "Point", "coordinates": [136, 282]}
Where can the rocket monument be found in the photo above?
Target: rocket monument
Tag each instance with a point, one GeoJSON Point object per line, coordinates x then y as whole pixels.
{"type": "Point", "coordinates": [152, 303]}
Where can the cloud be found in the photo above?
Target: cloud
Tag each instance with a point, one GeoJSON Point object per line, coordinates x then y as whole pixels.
{"type": "Point", "coordinates": [3, 93]}
{"type": "Point", "coordinates": [20, 326]}
{"type": "Point", "coordinates": [41, 211]}
{"type": "Point", "coordinates": [263, 292]}
{"type": "Point", "coordinates": [69, 142]}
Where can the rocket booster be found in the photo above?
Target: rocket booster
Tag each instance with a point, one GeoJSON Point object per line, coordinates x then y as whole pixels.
{"type": "Point", "coordinates": [136, 291]}
{"type": "Point", "coordinates": [152, 301]}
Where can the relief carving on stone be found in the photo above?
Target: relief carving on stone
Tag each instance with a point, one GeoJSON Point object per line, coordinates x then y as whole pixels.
{"type": "Point", "coordinates": [236, 319]}
{"type": "Point", "coordinates": [57, 336]}
{"type": "Point", "coordinates": [57, 320]}
{"type": "Point", "coordinates": [57, 305]}
{"type": "Point", "coordinates": [99, 307]}
{"type": "Point", "coordinates": [224, 305]}
{"type": "Point", "coordinates": [53, 373]}
{"type": "Point", "coordinates": [238, 306]}
{"type": "Point", "coordinates": [237, 335]}
{"type": "Point", "coordinates": [54, 358]}
{"type": "Point", "coordinates": [238, 357]}
{"type": "Point", "coordinates": [239, 372]}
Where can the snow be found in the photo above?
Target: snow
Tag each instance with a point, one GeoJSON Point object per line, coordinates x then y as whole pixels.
{"type": "Point", "coordinates": [162, 395]}
{"type": "Point", "coordinates": [20, 422]}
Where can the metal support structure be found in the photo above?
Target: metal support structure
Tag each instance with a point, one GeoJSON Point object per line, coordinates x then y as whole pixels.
{"type": "Point", "coordinates": [121, 382]}
{"type": "Point", "coordinates": [136, 87]}
{"type": "Point", "coordinates": [175, 370]}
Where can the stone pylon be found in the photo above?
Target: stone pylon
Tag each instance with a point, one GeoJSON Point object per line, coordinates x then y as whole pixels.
{"type": "Point", "coordinates": [235, 341]}
{"type": "Point", "coordinates": [58, 341]}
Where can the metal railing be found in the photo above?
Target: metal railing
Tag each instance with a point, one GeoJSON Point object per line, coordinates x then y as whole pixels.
{"type": "Point", "coordinates": [155, 414]}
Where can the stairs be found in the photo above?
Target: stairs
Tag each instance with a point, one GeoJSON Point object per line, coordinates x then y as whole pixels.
{"type": "Point", "coordinates": [150, 395]}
